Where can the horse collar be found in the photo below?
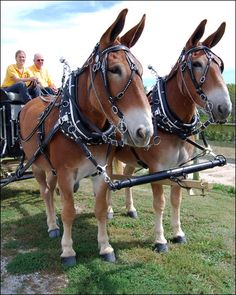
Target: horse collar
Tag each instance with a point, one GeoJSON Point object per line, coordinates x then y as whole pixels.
{"type": "Point", "coordinates": [164, 118]}
{"type": "Point", "coordinates": [75, 125]}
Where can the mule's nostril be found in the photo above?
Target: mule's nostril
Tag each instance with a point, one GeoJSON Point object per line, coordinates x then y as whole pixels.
{"type": "Point", "coordinates": [220, 109]}
{"type": "Point", "coordinates": [223, 111]}
{"type": "Point", "coordinates": [142, 132]}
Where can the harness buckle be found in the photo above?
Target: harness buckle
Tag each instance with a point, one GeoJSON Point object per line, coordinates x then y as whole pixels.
{"type": "Point", "coordinates": [122, 127]}
{"type": "Point", "coordinates": [114, 109]}
{"type": "Point", "coordinates": [156, 140]}
{"type": "Point", "coordinates": [202, 80]}
{"type": "Point", "coordinates": [96, 66]}
{"type": "Point", "coordinates": [203, 97]}
{"type": "Point", "coordinates": [102, 170]}
{"type": "Point", "coordinates": [71, 129]}
{"type": "Point", "coordinates": [104, 138]}
{"type": "Point", "coordinates": [119, 95]}
{"type": "Point", "coordinates": [63, 119]}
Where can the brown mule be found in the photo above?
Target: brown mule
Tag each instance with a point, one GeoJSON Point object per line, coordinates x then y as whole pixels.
{"type": "Point", "coordinates": [109, 92]}
{"type": "Point", "coordinates": [195, 81]}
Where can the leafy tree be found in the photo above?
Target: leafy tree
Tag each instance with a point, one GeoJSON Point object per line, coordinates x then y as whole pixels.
{"type": "Point", "coordinates": [231, 88]}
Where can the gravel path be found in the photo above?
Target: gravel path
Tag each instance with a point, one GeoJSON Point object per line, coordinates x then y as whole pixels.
{"type": "Point", "coordinates": [223, 175]}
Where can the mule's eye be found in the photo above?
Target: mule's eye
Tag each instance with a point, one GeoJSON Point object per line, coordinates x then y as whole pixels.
{"type": "Point", "coordinates": [197, 64]}
{"type": "Point", "coordinates": [115, 70]}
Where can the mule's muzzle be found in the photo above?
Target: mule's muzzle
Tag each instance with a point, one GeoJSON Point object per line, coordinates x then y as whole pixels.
{"type": "Point", "coordinates": [224, 111]}
{"type": "Point", "coordinates": [221, 112]}
{"type": "Point", "coordinates": [141, 137]}
{"type": "Point", "coordinates": [143, 133]}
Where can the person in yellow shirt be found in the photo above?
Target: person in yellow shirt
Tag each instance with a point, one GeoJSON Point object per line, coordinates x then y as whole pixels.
{"type": "Point", "coordinates": [44, 79]}
{"type": "Point", "coordinates": [18, 78]}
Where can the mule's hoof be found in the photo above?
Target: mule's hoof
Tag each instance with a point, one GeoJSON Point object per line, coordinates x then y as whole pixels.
{"type": "Point", "coordinates": [54, 233]}
{"type": "Point", "coordinates": [68, 261]}
{"type": "Point", "coordinates": [76, 187]}
{"type": "Point", "coordinates": [109, 257]}
{"type": "Point", "coordinates": [132, 214]}
{"type": "Point", "coordinates": [110, 215]}
{"type": "Point", "coordinates": [179, 240]}
{"type": "Point", "coordinates": [160, 248]}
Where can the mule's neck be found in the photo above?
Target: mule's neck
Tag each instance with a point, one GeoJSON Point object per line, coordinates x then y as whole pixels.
{"type": "Point", "coordinates": [180, 104]}
{"type": "Point", "coordinates": [88, 103]}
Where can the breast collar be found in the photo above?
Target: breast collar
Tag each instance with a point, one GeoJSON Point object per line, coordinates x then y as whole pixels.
{"type": "Point", "coordinates": [164, 118]}
{"type": "Point", "coordinates": [75, 125]}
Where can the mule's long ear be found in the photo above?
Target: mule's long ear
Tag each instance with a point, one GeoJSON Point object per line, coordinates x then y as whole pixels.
{"type": "Point", "coordinates": [197, 34]}
{"type": "Point", "coordinates": [214, 38]}
{"type": "Point", "coordinates": [132, 36]}
{"type": "Point", "coordinates": [114, 30]}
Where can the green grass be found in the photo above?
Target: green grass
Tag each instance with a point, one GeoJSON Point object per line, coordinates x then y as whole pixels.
{"type": "Point", "coordinates": [205, 265]}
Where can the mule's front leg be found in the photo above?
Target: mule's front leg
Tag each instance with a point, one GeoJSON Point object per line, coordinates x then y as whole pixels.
{"type": "Point", "coordinates": [176, 198]}
{"type": "Point", "coordinates": [68, 256]}
{"type": "Point", "coordinates": [106, 250]}
{"type": "Point", "coordinates": [159, 206]}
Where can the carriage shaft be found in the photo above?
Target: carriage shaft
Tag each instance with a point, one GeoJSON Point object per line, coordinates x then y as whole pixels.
{"type": "Point", "coordinates": [171, 174]}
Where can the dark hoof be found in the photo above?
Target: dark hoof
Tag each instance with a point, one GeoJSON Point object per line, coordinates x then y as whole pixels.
{"type": "Point", "coordinates": [160, 248]}
{"type": "Point", "coordinates": [109, 257]}
{"type": "Point", "coordinates": [110, 215]}
{"type": "Point", "coordinates": [68, 261]}
{"type": "Point", "coordinates": [54, 233]}
{"type": "Point", "coordinates": [76, 187]}
{"type": "Point", "coordinates": [132, 214]}
{"type": "Point", "coordinates": [179, 240]}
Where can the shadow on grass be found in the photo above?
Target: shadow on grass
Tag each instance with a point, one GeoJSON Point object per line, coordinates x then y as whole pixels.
{"type": "Point", "coordinates": [11, 192]}
{"type": "Point", "coordinates": [32, 249]}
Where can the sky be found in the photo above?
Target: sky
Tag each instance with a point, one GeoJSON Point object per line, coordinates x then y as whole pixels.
{"type": "Point", "coordinates": [72, 28]}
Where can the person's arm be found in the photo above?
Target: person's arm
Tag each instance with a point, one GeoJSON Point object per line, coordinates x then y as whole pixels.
{"type": "Point", "coordinates": [51, 84]}
{"type": "Point", "coordinates": [16, 78]}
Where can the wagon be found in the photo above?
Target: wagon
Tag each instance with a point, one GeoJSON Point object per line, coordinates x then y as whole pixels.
{"type": "Point", "coordinates": [10, 149]}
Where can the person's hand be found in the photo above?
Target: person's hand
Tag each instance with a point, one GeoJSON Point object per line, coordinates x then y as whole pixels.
{"type": "Point", "coordinates": [34, 81]}
{"type": "Point", "coordinates": [54, 89]}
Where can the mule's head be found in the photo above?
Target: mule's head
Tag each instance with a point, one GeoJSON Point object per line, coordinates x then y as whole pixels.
{"type": "Point", "coordinates": [200, 74]}
{"type": "Point", "coordinates": [118, 90]}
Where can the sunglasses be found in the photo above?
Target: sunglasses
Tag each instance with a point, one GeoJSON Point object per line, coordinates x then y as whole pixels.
{"type": "Point", "coordinates": [40, 59]}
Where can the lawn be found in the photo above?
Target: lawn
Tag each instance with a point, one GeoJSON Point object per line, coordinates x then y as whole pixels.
{"type": "Point", "coordinates": [205, 265]}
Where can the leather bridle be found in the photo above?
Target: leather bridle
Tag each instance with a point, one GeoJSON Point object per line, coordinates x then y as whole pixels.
{"type": "Point", "coordinates": [185, 63]}
{"type": "Point", "coordinates": [100, 64]}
